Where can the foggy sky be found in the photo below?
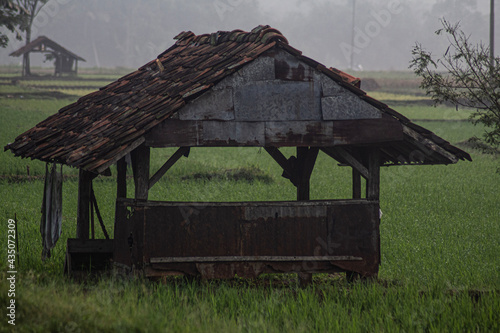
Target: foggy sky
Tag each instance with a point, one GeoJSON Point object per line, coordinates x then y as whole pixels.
{"type": "Point", "coordinates": [129, 33]}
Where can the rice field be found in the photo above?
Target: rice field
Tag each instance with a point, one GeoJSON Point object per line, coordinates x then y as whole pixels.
{"type": "Point", "coordinates": [439, 241]}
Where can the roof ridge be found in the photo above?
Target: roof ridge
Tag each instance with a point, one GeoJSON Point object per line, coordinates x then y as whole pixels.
{"type": "Point", "coordinates": [264, 34]}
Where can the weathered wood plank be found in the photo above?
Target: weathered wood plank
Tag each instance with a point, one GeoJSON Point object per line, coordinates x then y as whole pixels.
{"type": "Point", "coordinates": [183, 151]}
{"type": "Point", "coordinates": [299, 133]}
{"type": "Point", "coordinates": [367, 131]}
{"type": "Point", "coordinates": [159, 260]}
{"type": "Point", "coordinates": [140, 166]}
{"type": "Point", "coordinates": [222, 133]}
{"type": "Point", "coordinates": [185, 133]}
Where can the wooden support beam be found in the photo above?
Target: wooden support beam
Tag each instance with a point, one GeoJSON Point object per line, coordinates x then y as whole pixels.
{"type": "Point", "coordinates": [121, 178]}
{"type": "Point", "coordinates": [373, 182]}
{"type": "Point", "coordinates": [306, 158]}
{"type": "Point", "coordinates": [140, 166]}
{"type": "Point", "coordinates": [182, 151]}
{"type": "Point", "coordinates": [83, 214]}
{"type": "Point", "coordinates": [92, 218]}
{"type": "Point", "coordinates": [98, 213]}
{"type": "Point", "coordinates": [349, 159]}
{"type": "Point", "coordinates": [356, 184]}
{"type": "Point", "coordinates": [283, 162]}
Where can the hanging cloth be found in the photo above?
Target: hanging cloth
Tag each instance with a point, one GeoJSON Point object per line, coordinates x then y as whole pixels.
{"type": "Point", "coordinates": [51, 222]}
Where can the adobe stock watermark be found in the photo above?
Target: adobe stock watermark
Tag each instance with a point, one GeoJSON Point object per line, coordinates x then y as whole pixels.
{"type": "Point", "coordinates": [46, 14]}
{"type": "Point", "coordinates": [363, 37]}
{"type": "Point", "coordinates": [223, 7]}
{"type": "Point", "coordinates": [11, 270]}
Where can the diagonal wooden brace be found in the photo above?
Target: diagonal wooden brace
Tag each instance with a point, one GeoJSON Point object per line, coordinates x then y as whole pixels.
{"type": "Point", "coordinates": [349, 159]}
{"type": "Point", "coordinates": [182, 151]}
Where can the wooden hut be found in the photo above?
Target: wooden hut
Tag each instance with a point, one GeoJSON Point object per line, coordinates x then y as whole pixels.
{"type": "Point", "coordinates": [234, 89]}
{"type": "Point", "coordinates": [65, 61]}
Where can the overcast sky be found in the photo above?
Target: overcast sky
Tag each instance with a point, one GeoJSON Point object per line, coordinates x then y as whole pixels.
{"type": "Point", "coordinates": [129, 33]}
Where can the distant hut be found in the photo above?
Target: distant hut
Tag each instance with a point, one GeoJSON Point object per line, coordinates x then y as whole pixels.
{"type": "Point", "coordinates": [233, 89]}
{"type": "Point", "coordinates": [66, 62]}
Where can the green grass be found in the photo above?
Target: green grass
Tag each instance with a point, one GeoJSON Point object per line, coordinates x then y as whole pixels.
{"type": "Point", "coordinates": [439, 245]}
{"type": "Point", "coordinates": [386, 96]}
{"type": "Point", "coordinates": [142, 306]}
{"type": "Point", "coordinates": [21, 115]}
{"type": "Point", "coordinates": [433, 113]}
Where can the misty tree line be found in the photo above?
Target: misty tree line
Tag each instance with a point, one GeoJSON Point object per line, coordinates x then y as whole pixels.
{"type": "Point", "coordinates": [129, 33]}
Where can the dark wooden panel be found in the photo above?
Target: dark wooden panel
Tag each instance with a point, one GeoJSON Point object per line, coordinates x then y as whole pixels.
{"type": "Point", "coordinates": [90, 245]}
{"type": "Point", "coordinates": [189, 231]}
{"type": "Point", "coordinates": [341, 234]}
{"type": "Point", "coordinates": [299, 133]}
{"type": "Point", "coordinates": [220, 133]}
{"type": "Point", "coordinates": [367, 131]}
{"type": "Point", "coordinates": [175, 133]}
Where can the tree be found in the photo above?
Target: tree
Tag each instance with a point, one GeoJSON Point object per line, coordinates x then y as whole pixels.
{"type": "Point", "coordinates": [29, 10]}
{"type": "Point", "coordinates": [469, 79]}
{"type": "Point", "coordinates": [10, 18]}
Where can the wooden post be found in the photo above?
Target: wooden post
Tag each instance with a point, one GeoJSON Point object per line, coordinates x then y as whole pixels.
{"type": "Point", "coordinates": [356, 184]}
{"type": "Point", "coordinates": [84, 193]}
{"type": "Point", "coordinates": [92, 219]}
{"type": "Point", "coordinates": [306, 158]}
{"type": "Point", "coordinates": [302, 182]}
{"type": "Point", "coordinates": [373, 183]}
{"type": "Point", "coordinates": [140, 166]}
{"type": "Point", "coordinates": [121, 178]}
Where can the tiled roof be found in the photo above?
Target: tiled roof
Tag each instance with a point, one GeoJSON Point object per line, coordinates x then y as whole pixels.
{"type": "Point", "coordinates": [100, 128]}
{"type": "Point", "coordinates": [42, 40]}
{"type": "Point", "coordinates": [355, 81]}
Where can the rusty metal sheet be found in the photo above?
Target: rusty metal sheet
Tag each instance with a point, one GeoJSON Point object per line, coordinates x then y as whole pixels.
{"type": "Point", "coordinates": [328, 86]}
{"type": "Point", "coordinates": [277, 100]}
{"type": "Point", "coordinates": [214, 105]}
{"type": "Point", "coordinates": [347, 106]}
{"type": "Point", "coordinates": [290, 68]}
